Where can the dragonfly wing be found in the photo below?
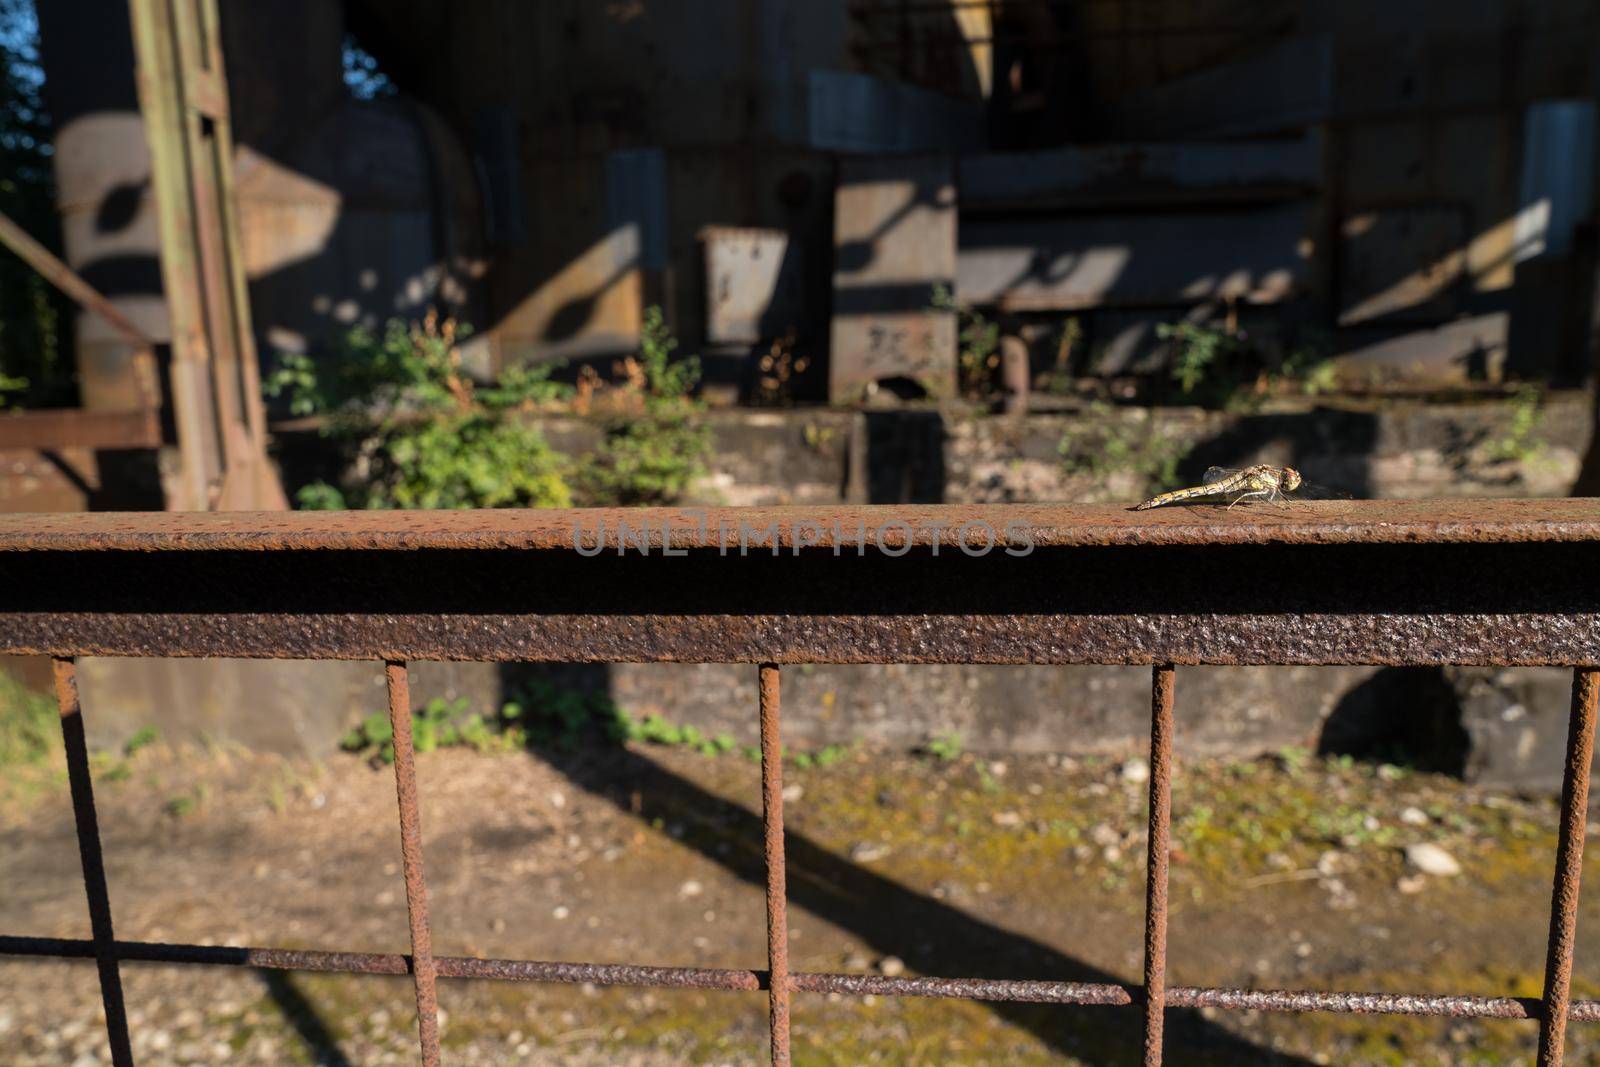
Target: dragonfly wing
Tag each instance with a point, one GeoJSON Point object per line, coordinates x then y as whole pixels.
{"type": "Point", "coordinates": [1318, 491]}
{"type": "Point", "coordinates": [1218, 474]}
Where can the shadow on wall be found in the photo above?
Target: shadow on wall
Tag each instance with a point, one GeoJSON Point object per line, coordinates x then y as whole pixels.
{"type": "Point", "coordinates": [1408, 716]}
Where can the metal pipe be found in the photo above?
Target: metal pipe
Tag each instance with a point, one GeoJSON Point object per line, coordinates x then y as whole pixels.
{"type": "Point", "coordinates": [1155, 900]}
{"type": "Point", "coordinates": [1569, 868]}
{"type": "Point", "coordinates": [93, 863]}
{"type": "Point", "coordinates": [1083, 994]}
{"type": "Point", "coordinates": [777, 888]}
{"type": "Point", "coordinates": [423, 970]}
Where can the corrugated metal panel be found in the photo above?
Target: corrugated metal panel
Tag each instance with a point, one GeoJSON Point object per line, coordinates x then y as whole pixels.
{"type": "Point", "coordinates": [861, 113]}
{"type": "Point", "coordinates": [1288, 85]}
{"type": "Point", "coordinates": [1144, 172]}
{"type": "Point", "coordinates": [1557, 176]}
{"type": "Point", "coordinates": [636, 206]}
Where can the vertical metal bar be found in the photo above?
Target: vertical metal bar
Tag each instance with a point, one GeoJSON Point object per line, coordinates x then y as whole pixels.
{"type": "Point", "coordinates": [777, 899]}
{"type": "Point", "coordinates": [1569, 868]}
{"type": "Point", "coordinates": [423, 971]}
{"type": "Point", "coordinates": [94, 869]}
{"type": "Point", "coordinates": [1155, 900]}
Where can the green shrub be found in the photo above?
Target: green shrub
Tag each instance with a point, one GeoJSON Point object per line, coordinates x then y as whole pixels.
{"type": "Point", "coordinates": [419, 433]}
{"type": "Point", "coordinates": [977, 343]}
{"type": "Point", "coordinates": [10, 385]}
{"type": "Point", "coordinates": [424, 434]}
{"type": "Point", "coordinates": [655, 444]}
{"type": "Point", "coordinates": [1224, 367]}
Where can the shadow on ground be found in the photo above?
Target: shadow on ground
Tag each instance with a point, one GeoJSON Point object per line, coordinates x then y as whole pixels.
{"type": "Point", "coordinates": [931, 936]}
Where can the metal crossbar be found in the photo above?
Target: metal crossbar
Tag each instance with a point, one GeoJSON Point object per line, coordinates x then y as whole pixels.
{"type": "Point", "coordinates": [58, 605]}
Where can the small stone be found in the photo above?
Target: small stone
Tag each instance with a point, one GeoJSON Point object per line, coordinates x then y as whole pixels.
{"type": "Point", "coordinates": [561, 911]}
{"type": "Point", "coordinates": [1329, 863]}
{"type": "Point", "coordinates": [856, 962]}
{"type": "Point", "coordinates": [691, 888]}
{"type": "Point", "coordinates": [792, 793]}
{"type": "Point", "coordinates": [891, 966]}
{"type": "Point", "coordinates": [867, 851]}
{"type": "Point", "coordinates": [558, 799]}
{"type": "Point", "coordinates": [1411, 884]}
{"type": "Point", "coordinates": [1431, 859]}
{"type": "Point", "coordinates": [998, 768]}
{"type": "Point", "coordinates": [1006, 819]}
{"type": "Point", "coordinates": [1415, 817]}
{"type": "Point", "coordinates": [1102, 834]}
{"type": "Point", "coordinates": [1136, 770]}
{"type": "Point", "coordinates": [1111, 854]}
{"type": "Point", "coordinates": [1303, 949]}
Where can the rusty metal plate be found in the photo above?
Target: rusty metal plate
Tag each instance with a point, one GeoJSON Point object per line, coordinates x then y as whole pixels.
{"type": "Point", "coordinates": [1522, 589]}
{"type": "Point", "coordinates": [754, 284]}
{"type": "Point", "coordinates": [894, 244]}
{"type": "Point", "coordinates": [1561, 519]}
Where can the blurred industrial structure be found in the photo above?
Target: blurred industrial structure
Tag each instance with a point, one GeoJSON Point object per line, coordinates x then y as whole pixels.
{"type": "Point", "coordinates": [1412, 178]}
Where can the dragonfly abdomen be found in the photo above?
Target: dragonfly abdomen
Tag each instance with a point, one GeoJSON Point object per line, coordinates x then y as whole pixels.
{"type": "Point", "coordinates": [1180, 495]}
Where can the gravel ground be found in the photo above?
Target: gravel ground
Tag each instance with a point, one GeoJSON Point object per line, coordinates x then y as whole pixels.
{"type": "Point", "coordinates": [1289, 872]}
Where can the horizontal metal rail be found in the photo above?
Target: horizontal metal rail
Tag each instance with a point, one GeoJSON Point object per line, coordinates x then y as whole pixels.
{"type": "Point", "coordinates": [1088, 994]}
{"type": "Point", "coordinates": [1379, 583]}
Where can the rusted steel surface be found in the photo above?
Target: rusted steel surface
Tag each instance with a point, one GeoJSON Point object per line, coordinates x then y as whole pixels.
{"type": "Point", "coordinates": [777, 887]}
{"type": "Point", "coordinates": [405, 785]}
{"type": "Point", "coordinates": [1569, 868]}
{"type": "Point", "coordinates": [1160, 837]}
{"type": "Point", "coordinates": [80, 428]}
{"type": "Point", "coordinates": [893, 527]}
{"type": "Point", "coordinates": [68, 281]}
{"type": "Point", "coordinates": [1089, 994]}
{"type": "Point", "coordinates": [92, 862]}
{"type": "Point", "coordinates": [1529, 594]}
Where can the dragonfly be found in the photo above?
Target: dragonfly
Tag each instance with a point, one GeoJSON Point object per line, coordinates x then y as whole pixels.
{"type": "Point", "coordinates": [1263, 482]}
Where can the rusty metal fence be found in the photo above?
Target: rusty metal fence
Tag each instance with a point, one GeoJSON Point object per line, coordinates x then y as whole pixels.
{"type": "Point", "coordinates": [1511, 582]}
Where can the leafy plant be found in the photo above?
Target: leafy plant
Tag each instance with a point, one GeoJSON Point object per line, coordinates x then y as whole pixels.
{"type": "Point", "coordinates": [1310, 368]}
{"type": "Point", "coordinates": [30, 730]}
{"type": "Point", "coordinates": [978, 341]}
{"type": "Point", "coordinates": [10, 385]}
{"type": "Point", "coordinates": [182, 804]}
{"type": "Point", "coordinates": [143, 737]}
{"type": "Point", "coordinates": [1107, 445]}
{"type": "Point", "coordinates": [1224, 367]}
{"type": "Point", "coordinates": [945, 746]}
{"type": "Point", "coordinates": [1521, 441]}
{"type": "Point", "coordinates": [439, 723]}
{"type": "Point", "coordinates": [1204, 356]}
{"type": "Point", "coordinates": [295, 376]}
{"type": "Point", "coordinates": [655, 445]}
{"type": "Point", "coordinates": [424, 434]}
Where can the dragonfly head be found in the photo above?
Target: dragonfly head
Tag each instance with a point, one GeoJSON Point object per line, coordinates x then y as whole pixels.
{"type": "Point", "coordinates": [1290, 480]}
